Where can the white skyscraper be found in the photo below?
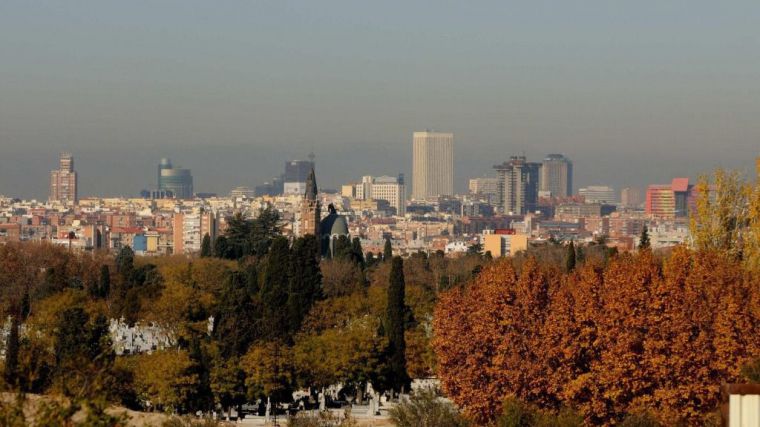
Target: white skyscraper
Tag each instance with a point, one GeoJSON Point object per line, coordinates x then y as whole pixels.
{"type": "Point", "coordinates": [432, 164]}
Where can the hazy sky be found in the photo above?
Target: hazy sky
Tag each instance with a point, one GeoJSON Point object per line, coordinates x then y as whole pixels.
{"type": "Point", "coordinates": [633, 92]}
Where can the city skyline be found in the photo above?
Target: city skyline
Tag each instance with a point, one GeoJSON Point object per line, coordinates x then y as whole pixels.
{"type": "Point", "coordinates": [632, 93]}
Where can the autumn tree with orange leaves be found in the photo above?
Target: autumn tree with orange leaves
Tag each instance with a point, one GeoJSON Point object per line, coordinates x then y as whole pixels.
{"type": "Point", "coordinates": [639, 334]}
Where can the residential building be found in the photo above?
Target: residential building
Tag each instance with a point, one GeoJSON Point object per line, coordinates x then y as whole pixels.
{"type": "Point", "coordinates": [189, 228]}
{"type": "Point", "coordinates": [557, 176]}
{"type": "Point", "coordinates": [392, 189]}
{"type": "Point", "coordinates": [432, 164]}
{"type": "Point", "coordinates": [63, 181]}
{"type": "Point", "coordinates": [504, 242]}
{"type": "Point", "coordinates": [670, 201]}
{"type": "Point", "coordinates": [631, 197]}
{"type": "Point", "coordinates": [518, 186]}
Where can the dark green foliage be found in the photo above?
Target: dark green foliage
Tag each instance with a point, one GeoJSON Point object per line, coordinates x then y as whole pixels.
{"type": "Point", "coordinates": [475, 249]}
{"type": "Point", "coordinates": [202, 398]}
{"type": "Point", "coordinates": [11, 371]}
{"type": "Point", "coordinates": [252, 280]}
{"type": "Point", "coordinates": [644, 242]}
{"type": "Point", "coordinates": [426, 409]}
{"type": "Point", "coordinates": [236, 321]}
{"type": "Point", "coordinates": [570, 257]}
{"type": "Point", "coordinates": [221, 248]}
{"type": "Point", "coordinates": [264, 229]}
{"type": "Point", "coordinates": [580, 255]}
{"type": "Point", "coordinates": [305, 280]}
{"type": "Point", "coordinates": [342, 248]}
{"type": "Point", "coordinates": [357, 254]}
{"type": "Point", "coordinates": [103, 286]}
{"type": "Point", "coordinates": [371, 260]}
{"type": "Point", "coordinates": [274, 290]}
{"type": "Point", "coordinates": [387, 250]}
{"type": "Point", "coordinates": [72, 327]}
{"type": "Point", "coordinates": [206, 246]}
{"type": "Point", "coordinates": [237, 243]}
{"type": "Point", "coordinates": [125, 262]}
{"type": "Point", "coordinates": [395, 320]}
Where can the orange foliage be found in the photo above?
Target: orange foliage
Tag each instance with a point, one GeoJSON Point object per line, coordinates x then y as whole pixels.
{"type": "Point", "coordinates": [640, 333]}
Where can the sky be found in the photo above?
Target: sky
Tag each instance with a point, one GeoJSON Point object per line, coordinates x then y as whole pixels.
{"type": "Point", "coordinates": [632, 92]}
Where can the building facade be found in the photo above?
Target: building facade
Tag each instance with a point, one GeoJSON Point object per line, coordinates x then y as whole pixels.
{"type": "Point", "coordinates": [631, 197]}
{"type": "Point", "coordinates": [311, 210]}
{"type": "Point", "coordinates": [175, 180]}
{"type": "Point", "coordinates": [518, 186]}
{"type": "Point", "coordinates": [598, 194]}
{"type": "Point", "coordinates": [63, 181]}
{"type": "Point", "coordinates": [432, 164]}
{"type": "Point", "coordinates": [296, 174]}
{"type": "Point", "coordinates": [557, 176]}
{"type": "Point", "coordinates": [670, 201]}
{"type": "Point", "coordinates": [189, 228]}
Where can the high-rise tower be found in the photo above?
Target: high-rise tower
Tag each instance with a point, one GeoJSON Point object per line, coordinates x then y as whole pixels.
{"type": "Point", "coordinates": [63, 182]}
{"type": "Point", "coordinates": [518, 186]}
{"type": "Point", "coordinates": [432, 164]}
{"type": "Point", "coordinates": [557, 175]}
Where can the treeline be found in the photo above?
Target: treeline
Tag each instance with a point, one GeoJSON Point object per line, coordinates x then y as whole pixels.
{"type": "Point", "coordinates": [283, 318]}
{"type": "Point", "coordinates": [639, 334]}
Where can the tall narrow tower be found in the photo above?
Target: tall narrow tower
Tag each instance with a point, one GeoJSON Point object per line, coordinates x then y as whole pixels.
{"type": "Point", "coordinates": [63, 181]}
{"type": "Point", "coordinates": [310, 207]}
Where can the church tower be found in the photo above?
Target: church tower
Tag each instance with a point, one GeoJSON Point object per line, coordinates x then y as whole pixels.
{"type": "Point", "coordinates": [310, 208]}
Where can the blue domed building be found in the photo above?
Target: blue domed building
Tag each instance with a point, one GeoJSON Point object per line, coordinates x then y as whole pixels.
{"type": "Point", "coordinates": [330, 229]}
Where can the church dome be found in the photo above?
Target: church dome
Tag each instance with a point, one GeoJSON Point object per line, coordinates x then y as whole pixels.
{"type": "Point", "coordinates": [333, 224]}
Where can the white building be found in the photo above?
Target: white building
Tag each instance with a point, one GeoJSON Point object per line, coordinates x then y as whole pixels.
{"type": "Point", "coordinates": [388, 188]}
{"type": "Point", "coordinates": [599, 194]}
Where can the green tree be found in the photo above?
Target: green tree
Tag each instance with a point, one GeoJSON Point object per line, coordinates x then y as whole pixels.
{"type": "Point", "coordinates": [475, 249]}
{"type": "Point", "coordinates": [264, 229]}
{"type": "Point", "coordinates": [206, 246]}
{"type": "Point", "coordinates": [221, 248]}
{"type": "Point", "coordinates": [103, 287]}
{"type": "Point", "coordinates": [570, 257]}
{"type": "Point", "coordinates": [125, 262]}
{"type": "Point", "coordinates": [236, 321]}
{"type": "Point", "coordinates": [274, 290]}
{"type": "Point", "coordinates": [371, 260]}
{"type": "Point", "coordinates": [644, 239]}
{"type": "Point", "coordinates": [305, 280]}
{"type": "Point", "coordinates": [395, 320]}
{"type": "Point", "coordinates": [387, 250]}
{"type": "Point", "coordinates": [357, 253]}
{"type": "Point", "coordinates": [426, 409]}
{"type": "Point", "coordinates": [11, 372]}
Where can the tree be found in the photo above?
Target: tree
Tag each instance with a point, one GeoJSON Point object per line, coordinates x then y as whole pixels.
{"type": "Point", "coordinates": [370, 259]}
{"type": "Point", "coordinates": [305, 280]}
{"type": "Point", "coordinates": [103, 287]}
{"type": "Point", "coordinates": [264, 230]}
{"type": "Point", "coordinates": [475, 249]}
{"type": "Point", "coordinates": [570, 257]}
{"type": "Point", "coordinates": [357, 253]}
{"type": "Point", "coordinates": [644, 239]}
{"type": "Point", "coordinates": [236, 320]}
{"type": "Point", "coordinates": [395, 319]}
{"type": "Point", "coordinates": [163, 378]}
{"type": "Point", "coordinates": [221, 248]}
{"type": "Point", "coordinates": [342, 249]}
{"type": "Point", "coordinates": [274, 290]}
{"type": "Point", "coordinates": [125, 262]}
{"type": "Point", "coordinates": [11, 372]}
{"type": "Point", "coordinates": [269, 371]}
{"type": "Point", "coordinates": [206, 246]}
{"type": "Point", "coordinates": [237, 238]}
{"type": "Point", "coordinates": [387, 250]}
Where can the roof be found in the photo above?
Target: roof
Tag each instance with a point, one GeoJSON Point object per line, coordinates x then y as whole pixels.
{"type": "Point", "coordinates": [311, 186]}
{"type": "Point", "coordinates": [680, 184]}
{"type": "Point", "coordinates": [333, 224]}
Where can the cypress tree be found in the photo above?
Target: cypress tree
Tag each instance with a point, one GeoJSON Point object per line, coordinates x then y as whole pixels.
{"type": "Point", "coordinates": [274, 290]}
{"type": "Point", "coordinates": [305, 280]}
{"type": "Point", "coordinates": [125, 262]}
{"type": "Point", "coordinates": [395, 314]}
{"type": "Point", "coordinates": [236, 318]}
{"type": "Point", "coordinates": [370, 259]}
{"type": "Point", "coordinates": [11, 355]}
{"type": "Point", "coordinates": [104, 283]}
{"type": "Point", "coordinates": [206, 246]}
{"type": "Point", "coordinates": [388, 250]}
{"type": "Point", "coordinates": [221, 248]}
{"type": "Point", "coordinates": [570, 257]}
{"type": "Point", "coordinates": [357, 253]}
{"type": "Point", "coordinates": [644, 239]}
